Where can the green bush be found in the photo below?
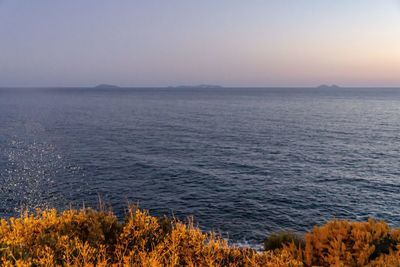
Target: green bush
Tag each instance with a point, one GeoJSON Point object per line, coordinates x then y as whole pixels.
{"type": "Point", "coordinates": [281, 239]}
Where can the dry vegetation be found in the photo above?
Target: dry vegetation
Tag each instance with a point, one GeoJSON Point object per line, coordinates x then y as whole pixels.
{"type": "Point", "coordinates": [95, 238]}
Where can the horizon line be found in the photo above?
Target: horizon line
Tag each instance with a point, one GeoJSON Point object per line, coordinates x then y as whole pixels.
{"type": "Point", "coordinates": [194, 86]}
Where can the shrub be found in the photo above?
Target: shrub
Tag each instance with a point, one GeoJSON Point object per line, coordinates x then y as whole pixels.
{"type": "Point", "coordinates": [350, 243]}
{"type": "Point", "coordinates": [96, 238]}
{"type": "Point", "coordinates": [282, 239]}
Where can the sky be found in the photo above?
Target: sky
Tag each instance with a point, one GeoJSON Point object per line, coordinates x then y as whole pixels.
{"type": "Point", "coordinates": [175, 42]}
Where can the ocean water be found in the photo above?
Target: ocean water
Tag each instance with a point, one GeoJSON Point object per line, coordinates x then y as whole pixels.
{"type": "Point", "coordinates": [243, 161]}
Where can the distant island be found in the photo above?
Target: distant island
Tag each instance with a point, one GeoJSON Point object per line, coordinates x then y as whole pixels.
{"type": "Point", "coordinates": [325, 86]}
{"type": "Point", "coordinates": [106, 86]}
{"type": "Point", "coordinates": [200, 86]}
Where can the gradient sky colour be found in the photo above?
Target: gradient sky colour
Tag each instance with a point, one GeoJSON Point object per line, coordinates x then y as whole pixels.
{"type": "Point", "coordinates": [173, 42]}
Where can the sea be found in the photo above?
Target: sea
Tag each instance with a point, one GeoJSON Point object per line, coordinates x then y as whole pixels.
{"type": "Point", "coordinates": [243, 162]}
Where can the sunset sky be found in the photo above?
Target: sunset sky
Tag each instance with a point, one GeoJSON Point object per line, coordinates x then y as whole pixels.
{"type": "Point", "coordinates": [173, 42]}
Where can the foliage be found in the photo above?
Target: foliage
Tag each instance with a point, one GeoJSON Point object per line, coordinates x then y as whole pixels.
{"type": "Point", "coordinates": [344, 243]}
{"type": "Point", "coordinates": [95, 238]}
{"type": "Point", "coordinates": [282, 239]}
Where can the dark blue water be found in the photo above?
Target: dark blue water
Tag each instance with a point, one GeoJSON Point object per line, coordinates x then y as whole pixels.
{"type": "Point", "coordinates": [244, 161]}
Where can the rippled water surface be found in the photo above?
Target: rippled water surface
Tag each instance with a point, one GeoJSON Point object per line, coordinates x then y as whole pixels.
{"type": "Point", "coordinates": [244, 161]}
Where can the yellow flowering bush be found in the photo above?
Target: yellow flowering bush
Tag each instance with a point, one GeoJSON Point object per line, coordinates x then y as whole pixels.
{"type": "Point", "coordinates": [344, 243]}
{"type": "Point", "coordinates": [88, 237]}
{"type": "Point", "coordinates": [95, 238]}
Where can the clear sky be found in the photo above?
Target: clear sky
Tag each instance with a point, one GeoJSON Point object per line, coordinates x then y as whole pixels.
{"type": "Point", "coordinates": [172, 42]}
